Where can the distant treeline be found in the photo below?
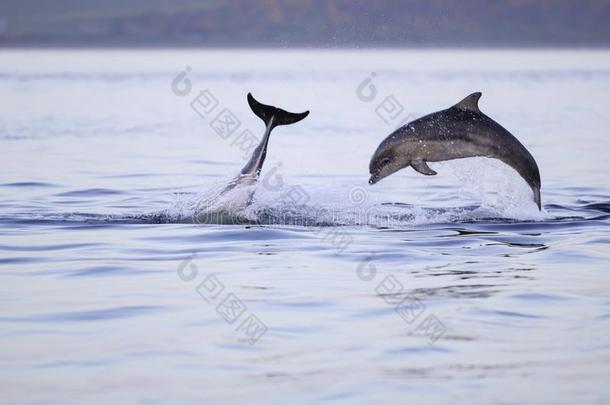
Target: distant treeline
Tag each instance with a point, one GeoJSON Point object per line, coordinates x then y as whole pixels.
{"type": "Point", "coordinates": [289, 23]}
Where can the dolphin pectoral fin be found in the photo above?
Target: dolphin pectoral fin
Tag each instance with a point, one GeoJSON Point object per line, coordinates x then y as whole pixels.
{"type": "Point", "coordinates": [422, 167]}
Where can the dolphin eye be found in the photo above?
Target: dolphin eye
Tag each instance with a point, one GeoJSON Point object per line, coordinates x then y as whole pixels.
{"type": "Point", "coordinates": [385, 161]}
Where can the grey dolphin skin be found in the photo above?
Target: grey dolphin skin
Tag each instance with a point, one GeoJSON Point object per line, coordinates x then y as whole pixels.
{"type": "Point", "coordinates": [272, 117]}
{"type": "Point", "coordinates": [458, 132]}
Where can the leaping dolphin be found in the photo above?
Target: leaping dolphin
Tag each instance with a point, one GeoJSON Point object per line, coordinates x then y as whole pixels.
{"type": "Point", "coordinates": [458, 132]}
{"type": "Point", "coordinates": [272, 117]}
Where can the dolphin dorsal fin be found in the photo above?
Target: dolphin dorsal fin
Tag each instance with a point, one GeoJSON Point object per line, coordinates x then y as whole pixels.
{"type": "Point", "coordinates": [470, 103]}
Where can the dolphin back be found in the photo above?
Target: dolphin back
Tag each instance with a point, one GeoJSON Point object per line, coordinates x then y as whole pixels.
{"type": "Point", "coordinates": [272, 115]}
{"type": "Point", "coordinates": [497, 143]}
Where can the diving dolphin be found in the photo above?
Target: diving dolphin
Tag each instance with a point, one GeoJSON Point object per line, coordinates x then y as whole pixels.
{"type": "Point", "coordinates": [458, 132]}
{"type": "Point", "coordinates": [272, 117]}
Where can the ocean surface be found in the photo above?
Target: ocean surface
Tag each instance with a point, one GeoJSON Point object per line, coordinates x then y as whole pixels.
{"type": "Point", "coordinates": [119, 283]}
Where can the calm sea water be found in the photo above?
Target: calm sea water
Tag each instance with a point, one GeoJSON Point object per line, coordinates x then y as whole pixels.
{"type": "Point", "coordinates": [114, 287]}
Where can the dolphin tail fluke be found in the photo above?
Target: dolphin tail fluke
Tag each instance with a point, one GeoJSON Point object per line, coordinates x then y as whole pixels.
{"type": "Point", "coordinates": [274, 116]}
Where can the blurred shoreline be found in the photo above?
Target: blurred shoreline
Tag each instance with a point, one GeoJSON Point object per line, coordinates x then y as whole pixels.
{"type": "Point", "coordinates": [67, 47]}
{"type": "Point", "coordinates": [315, 24]}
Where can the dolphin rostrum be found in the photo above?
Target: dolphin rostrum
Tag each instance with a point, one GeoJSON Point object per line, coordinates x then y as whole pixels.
{"type": "Point", "coordinates": [461, 131]}
{"type": "Point", "coordinates": [272, 117]}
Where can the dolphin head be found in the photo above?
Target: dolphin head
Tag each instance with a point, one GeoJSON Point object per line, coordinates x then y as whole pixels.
{"type": "Point", "coordinates": [389, 157]}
